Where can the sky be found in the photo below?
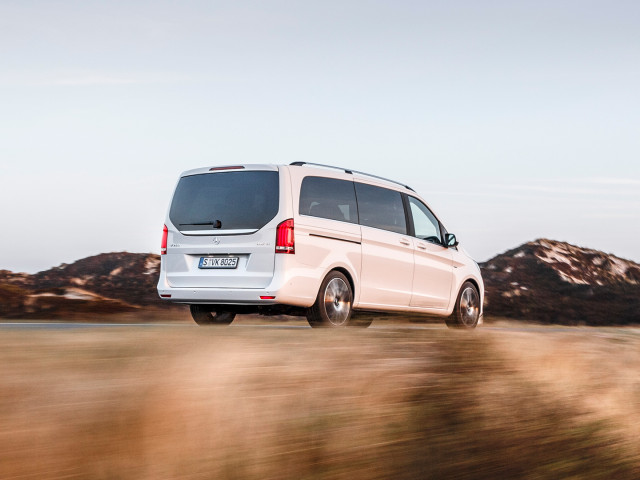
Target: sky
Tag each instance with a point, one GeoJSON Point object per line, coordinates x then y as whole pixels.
{"type": "Point", "coordinates": [514, 120]}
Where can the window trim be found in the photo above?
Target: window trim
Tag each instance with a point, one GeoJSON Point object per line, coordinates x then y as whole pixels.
{"type": "Point", "coordinates": [411, 229]}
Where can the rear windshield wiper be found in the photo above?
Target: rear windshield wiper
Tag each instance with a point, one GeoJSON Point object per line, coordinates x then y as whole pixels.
{"type": "Point", "coordinates": [216, 224]}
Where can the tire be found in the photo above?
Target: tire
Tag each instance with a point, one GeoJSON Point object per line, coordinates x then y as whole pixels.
{"type": "Point", "coordinates": [333, 306]}
{"type": "Point", "coordinates": [206, 315]}
{"type": "Point", "coordinates": [467, 310]}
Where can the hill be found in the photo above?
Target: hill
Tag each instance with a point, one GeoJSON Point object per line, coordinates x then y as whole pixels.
{"type": "Point", "coordinates": [545, 281]}
{"type": "Point", "coordinates": [555, 282]}
{"type": "Point", "coordinates": [102, 284]}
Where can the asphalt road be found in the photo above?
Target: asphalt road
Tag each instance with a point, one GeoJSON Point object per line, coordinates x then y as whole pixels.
{"type": "Point", "coordinates": [507, 327]}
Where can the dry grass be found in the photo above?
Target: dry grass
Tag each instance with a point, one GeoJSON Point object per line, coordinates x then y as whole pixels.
{"type": "Point", "coordinates": [253, 403]}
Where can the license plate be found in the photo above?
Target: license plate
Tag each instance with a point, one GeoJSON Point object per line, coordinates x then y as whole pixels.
{"type": "Point", "coordinates": [218, 262]}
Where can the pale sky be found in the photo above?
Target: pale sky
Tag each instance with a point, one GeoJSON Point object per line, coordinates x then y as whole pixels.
{"type": "Point", "coordinates": [514, 119]}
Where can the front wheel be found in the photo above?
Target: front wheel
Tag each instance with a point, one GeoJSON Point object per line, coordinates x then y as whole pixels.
{"type": "Point", "coordinates": [206, 315]}
{"type": "Point", "coordinates": [333, 304]}
{"type": "Point", "coordinates": [467, 310]}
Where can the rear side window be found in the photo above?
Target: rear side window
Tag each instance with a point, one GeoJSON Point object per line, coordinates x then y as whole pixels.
{"type": "Point", "coordinates": [381, 208]}
{"type": "Point", "coordinates": [226, 201]}
{"type": "Point", "coordinates": [328, 198]}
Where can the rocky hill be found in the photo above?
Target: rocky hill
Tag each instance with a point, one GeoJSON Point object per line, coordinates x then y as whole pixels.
{"type": "Point", "coordinates": [544, 280]}
{"type": "Point", "coordinates": [101, 284]}
{"type": "Point", "coordinates": [129, 277]}
{"type": "Point", "coordinates": [555, 282]}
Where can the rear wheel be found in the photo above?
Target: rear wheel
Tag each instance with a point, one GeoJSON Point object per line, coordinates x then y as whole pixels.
{"type": "Point", "coordinates": [333, 304]}
{"type": "Point", "coordinates": [467, 310]}
{"type": "Point", "coordinates": [208, 315]}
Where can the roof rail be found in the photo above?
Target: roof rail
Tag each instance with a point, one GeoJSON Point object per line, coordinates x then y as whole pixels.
{"type": "Point", "coordinates": [351, 172]}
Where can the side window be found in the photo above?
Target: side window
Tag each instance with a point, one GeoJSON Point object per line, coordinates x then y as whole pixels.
{"type": "Point", "coordinates": [426, 225]}
{"type": "Point", "coordinates": [328, 198]}
{"type": "Point", "coordinates": [381, 208]}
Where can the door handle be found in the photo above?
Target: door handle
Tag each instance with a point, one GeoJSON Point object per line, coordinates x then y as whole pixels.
{"type": "Point", "coordinates": [404, 241]}
{"type": "Point", "coordinates": [422, 246]}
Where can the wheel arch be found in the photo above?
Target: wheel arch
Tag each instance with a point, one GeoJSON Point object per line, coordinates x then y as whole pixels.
{"type": "Point", "coordinates": [479, 288]}
{"type": "Point", "coordinates": [472, 281]}
{"type": "Point", "coordinates": [454, 294]}
{"type": "Point", "coordinates": [347, 274]}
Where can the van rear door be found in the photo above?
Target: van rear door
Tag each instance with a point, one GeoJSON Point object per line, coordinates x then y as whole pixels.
{"type": "Point", "coordinates": [222, 228]}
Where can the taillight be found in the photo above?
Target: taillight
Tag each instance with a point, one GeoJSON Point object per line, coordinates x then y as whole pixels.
{"type": "Point", "coordinates": [285, 242]}
{"type": "Point", "coordinates": [235, 167]}
{"type": "Point", "coordinates": [163, 245]}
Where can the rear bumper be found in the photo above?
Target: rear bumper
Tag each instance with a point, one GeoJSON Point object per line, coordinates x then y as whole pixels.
{"type": "Point", "coordinates": [218, 296]}
{"type": "Point", "coordinates": [294, 291]}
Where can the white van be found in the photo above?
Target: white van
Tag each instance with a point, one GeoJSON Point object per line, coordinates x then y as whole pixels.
{"type": "Point", "coordinates": [314, 240]}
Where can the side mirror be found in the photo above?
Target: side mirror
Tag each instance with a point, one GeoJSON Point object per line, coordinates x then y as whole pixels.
{"type": "Point", "coordinates": [450, 240]}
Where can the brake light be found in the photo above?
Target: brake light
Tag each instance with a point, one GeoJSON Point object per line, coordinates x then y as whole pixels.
{"type": "Point", "coordinates": [285, 241]}
{"type": "Point", "coordinates": [234, 167]}
{"type": "Point", "coordinates": [163, 245]}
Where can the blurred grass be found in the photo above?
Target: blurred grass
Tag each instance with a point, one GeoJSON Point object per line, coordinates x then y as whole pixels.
{"type": "Point", "coordinates": [243, 402]}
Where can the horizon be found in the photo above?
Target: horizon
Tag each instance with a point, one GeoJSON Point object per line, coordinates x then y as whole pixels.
{"type": "Point", "coordinates": [513, 121]}
{"type": "Point", "coordinates": [540, 239]}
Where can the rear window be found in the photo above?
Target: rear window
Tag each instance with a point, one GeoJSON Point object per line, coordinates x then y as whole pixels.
{"type": "Point", "coordinates": [225, 201]}
{"type": "Point", "coordinates": [328, 198]}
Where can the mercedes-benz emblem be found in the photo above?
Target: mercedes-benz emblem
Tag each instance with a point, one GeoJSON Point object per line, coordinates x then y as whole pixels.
{"type": "Point", "coordinates": [216, 241]}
